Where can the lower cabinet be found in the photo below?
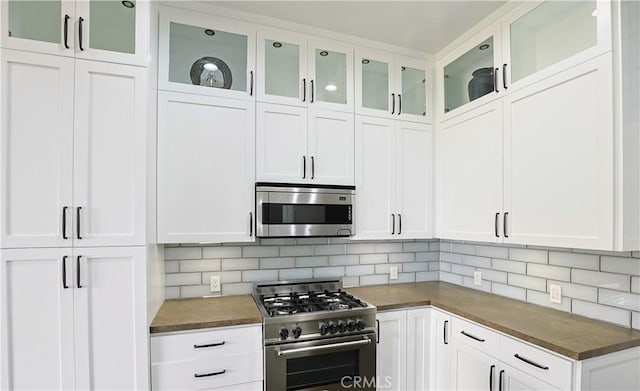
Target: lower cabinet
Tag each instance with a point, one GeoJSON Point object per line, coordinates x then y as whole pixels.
{"type": "Point", "coordinates": [225, 358]}
{"type": "Point", "coordinates": [74, 318]}
{"type": "Point", "coordinates": [440, 350]}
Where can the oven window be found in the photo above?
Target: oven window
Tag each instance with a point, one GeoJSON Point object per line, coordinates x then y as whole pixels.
{"type": "Point", "coordinates": [305, 214]}
{"type": "Point", "coordinates": [321, 369]}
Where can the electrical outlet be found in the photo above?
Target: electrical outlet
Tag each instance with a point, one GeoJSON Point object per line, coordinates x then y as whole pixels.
{"type": "Point", "coordinates": [555, 294]}
{"type": "Point", "coordinates": [393, 272]}
{"type": "Point", "coordinates": [215, 283]}
{"type": "Point", "coordinates": [477, 278]}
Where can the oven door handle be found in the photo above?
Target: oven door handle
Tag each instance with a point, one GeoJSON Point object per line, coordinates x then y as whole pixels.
{"type": "Point", "coordinates": [364, 341]}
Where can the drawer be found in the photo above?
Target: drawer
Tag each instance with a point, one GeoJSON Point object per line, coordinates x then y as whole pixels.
{"type": "Point", "coordinates": [254, 386]}
{"type": "Point", "coordinates": [202, 344]}
{"type": "Point", "coordinates": [475, 335]}
{"type": "Point", "coordinates": [203, 374]}
{"type": "Point", "coordinates": [536, 362]}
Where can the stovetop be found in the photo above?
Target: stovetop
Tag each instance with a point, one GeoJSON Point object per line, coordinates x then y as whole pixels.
{"type": "Point", "coordinates": [294, 303]}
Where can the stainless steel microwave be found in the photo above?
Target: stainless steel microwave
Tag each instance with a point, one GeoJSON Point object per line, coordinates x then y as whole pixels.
{"type": "Point", "coordinates": [300, 210]}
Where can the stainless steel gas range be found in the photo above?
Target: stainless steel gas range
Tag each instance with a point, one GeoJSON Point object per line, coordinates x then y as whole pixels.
{"type": "Point", "coordinates": [316, 336]}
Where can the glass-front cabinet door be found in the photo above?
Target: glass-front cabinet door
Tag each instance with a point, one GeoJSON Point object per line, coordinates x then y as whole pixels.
{"type": "Point", "coordinates": [39, 26]}
{"type": "Point", "coordinates": [113, 31]}
{"type": "Point", "coordinates": [375, 84]}
{"type": "Point", "coordinates": [282, 68]}
{"type": "Point", "coordinates": [412, 81]}
{"type": "Point", "coordinates": [469, 76]}
{"type": "Point", "coordinates": [331, 75]}
{"type": "Point", "coordinates": [206, 55]}
{"type": "Point", "coordinates": [541, 39]}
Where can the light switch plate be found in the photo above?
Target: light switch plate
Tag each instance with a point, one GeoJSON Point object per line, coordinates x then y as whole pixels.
{"type": "Point", "coordinates": [477, 278]}
{"type": "Point", "coordinates": [215, 283]}
{"type": "Point", "coordinates": [555, 294]}
{"type": "Point", "coordinates": [393, 272]}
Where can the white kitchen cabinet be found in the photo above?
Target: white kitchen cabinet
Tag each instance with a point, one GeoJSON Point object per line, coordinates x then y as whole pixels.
{"type": "Point", "coordinates": [393, 178]}
{"type": "Point", "coordinates": [89, 29]}
{"type": "Point", "coordinates": [206, 173]}
{"type": "Point", "coordinates": [440, 352]}
{"type": "Point", "coordinates": [419, 346]}
{"type": "Point", "coordinates": [392, 86]}
{"type": "Point", "coordinates": [471, 369]}
{"type": "Point", "coordinates": [75, 171]}
{"type": "Point", "coordinates": [86, 321]}
{"type": "Point", "coordinates": [299, 145]}
{"type": "Point", "coordinates": [207, 55]}
{"type": "Point", "coordinates": [510, 379]}
{"type": "Point", "coordinates": [391, 352]}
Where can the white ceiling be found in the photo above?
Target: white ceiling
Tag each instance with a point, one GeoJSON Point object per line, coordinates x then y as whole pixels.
{"type": "Point", "coordinates": [427, 26]}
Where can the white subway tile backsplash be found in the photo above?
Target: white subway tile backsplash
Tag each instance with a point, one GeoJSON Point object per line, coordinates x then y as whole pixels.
{"type": "Point", "coordinates": [527, 255]}
{"type": "Point", "coordinates": [415, 247]}
{"type": "Point", "coordinates": [240, 264]}
{"type": "Point", "coordinates": [360, 248]}
{"type": "Point", "coordinates": [635, 284]}
{"type": "Point", "coordinates": [333, 271]}
{"type": "Point", "coordinates": [277, 242]}
{"type": "Point", "coordinates": [383, 268]}
{"type": "Point", "coordinates": [196, 291]}
{"type": "Point", "coordinates": [602, 312]}
{"type": "Point", "coordinates": [374, 279]}
{"type": "Point", "coordinates": [635, 254]}
{"type": "Point", "coordinates": [360, 270]}
{"type": "Point", "coordinates": [542, 298]}
{"type": "Point", "coordinates": [451, 257]}
{"type": "Point", "coordinates": [260, 251]}
{"type": "Point", "coordinates": [624, 300]}
{"type": "Point", "coordinates": [434, 266]}
{"type": "Point", "coordinates": [404, 257]}
{"type": "Point", "coordinates": [342, 260]}
{"type": "Point", "coordinates": [350, 281]}
{"type": "Point", "coordinates": [601, 280]}
{"type": "Point", "coordinates": [178, 279]}
{"type": "Point", "coordinates": [277, 263]}
{"type": "Point", "coordinates": [415, 267]}
{"type": "Point", "coordinates": [171, 292]}
{"type": "Point", "coordinates": [300, 241]}
{"type": "Point", "coordinates": [620, 265]}
{"type": "Point", "coordinates": [575, 291]}
{"type": "Point", "coordinates": [373, 258]}
{"type": "Point", "coordinates": [178, 253]}
{"type": "Point", "coordinates": [464, 249]}
{"type": "Point", "coordinates": [445, 266]}
{"type": "Point", "coordinates": [451, 278]}
{"type": "Point", "coordinates": [225, 277]}
{"type": "Point", "coordinates": [509, 291]}
{"type": "Point", "coordinates": [546, 271]}
{"type": "Point", "coordinates": [388, 247]}
{"type": "Point", "coordinates": [444, 246]}
{"type": "Point", "coordinates": [434, 246]}
{"type": "Point", "coordinates": [330, 249]}
{"type": "Point", "coordinates": [492, 252]}
{"type": "Point", "coordinates": [295, 274]}
{"type": "Point", "coordinates": [426, 276]}
{"type": "Point", "coordinates": [506, 265]}
{"type": "Point", "coordinates": [222, 252]}
{"type": "Point", "coordinates": [240, 288]}
{"type": "Point", "coordinates": [635, 320]}
{"type": "Point", "coordinates": [494, 275]}
{"type": "Point", "coordinates": [295, 251]}
{"type": "Point", "coordinates": [312, 261]}
{"type": "Point", "coordinates": [463, 270]}
{"type": "Point", "coordinates": [200, 265]}
{"type": "Point", "coordinates": [259, 275]}
{"type": "Point", "coordinates": [468, 282]}
{"type": "Point", "coordinates": [539, 284]}
{"type": "Point", "coordinates": [471, 260]}
{"type": "Point", "coordinates": [430, 256]}
{"type": "Point", "coordinates": [405, 277]}
{"type": "Point", "coordinates": [171, 266]}
{"type": "Point", "coordinates": [573, 260]}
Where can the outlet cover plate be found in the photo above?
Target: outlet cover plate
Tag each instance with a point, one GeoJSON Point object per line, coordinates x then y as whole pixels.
{"type": "Point", "coordinates": [215, 283]}
{"type": "Point", "coordinates": [555, 294]}
{"type": "Point", "coordinates": [393, 272]}
{"type": "Point", "coordinates": [477, 278]}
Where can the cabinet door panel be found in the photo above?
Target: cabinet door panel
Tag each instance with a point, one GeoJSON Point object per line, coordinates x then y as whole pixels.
{"type": "Point", "coordinates": [375, 177]}
{"type": "Point", "coordinates": [413, 179]}
{"type": "Point", "coordinates": [412, 84]}
{"type": "Point", "coordinates": [37, 321]}
{"type": "Point", "coordinates": [206, 174]}
{"type": "Point", "coordinates": [375, 82]}
{"type": "Point", "coordinates": [391, 352]}
{"type": "Point", "coordinates": [515, 380]}
{"type": "Point", "coordinates": [331, 69]}
{"type": "Point", "coordinates": [418, 348]}
{"type": "Point", "coordinates": [559, 159]}
{"type": "Point", "coordinates": [471, 368]}
{"type": "Point", "coordinates": [110, 322]}
{"type": "Point", "coordinates": [331, 147]}
{"type": "Point", "coordinates": [471, 176]}
{"type": "Point", "coordinates": [36, 154]}
{"type": "Point", "coordinates": [281, 140]}
{"type": "Point", "coordinates": [109, 154]}
{"type": "Point", "coordinates": [440, 351]}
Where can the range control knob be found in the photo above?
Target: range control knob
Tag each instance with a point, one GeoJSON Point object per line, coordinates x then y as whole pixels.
{"type": "Point", "coordinates": [296, 331]}
{"type": "Point", "coordinates": [284, 333]}
{"type": "Point", "coordinates": [342, 326]}
{"type": "Point", "coordinates": [360, 324]}
{"type": "Point", "coordinates": [333, 327]}
{"type": "Point", "coordinates": [351, 325]}
{"type": "Point", "coordinates": [324, 328]}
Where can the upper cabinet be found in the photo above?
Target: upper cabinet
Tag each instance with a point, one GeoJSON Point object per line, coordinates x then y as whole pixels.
{"type": "Point", "coordinates": [111, 31]}
{"type": "Point", "coordinates": [202, 54]}
{"type": "Point", "coordinates": [302, 71]}
{"type": "Point", "coordinates": [392, 86]}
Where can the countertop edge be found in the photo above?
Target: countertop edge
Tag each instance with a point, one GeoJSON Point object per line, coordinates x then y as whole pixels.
{"type": "Point", "coordinates": [203, 325]}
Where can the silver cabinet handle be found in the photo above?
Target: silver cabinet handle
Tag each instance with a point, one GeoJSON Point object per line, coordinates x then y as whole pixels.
{"type": "Point", "coordinates": [504, 225]}
{"type": "Point", "coordinates": [535, 364]}
{"type": "Point", "coordinates": [364, 341]}
{"type": "Point", "coordinates": [393, 224]}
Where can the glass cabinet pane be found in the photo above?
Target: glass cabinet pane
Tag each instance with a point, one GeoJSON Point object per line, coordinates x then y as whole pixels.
{"type": "Point", "coordinates": [469, 77]}
{"type": "Point", "coordinates": [36, 20]}
{"type": "Point", "coordinates": [414, 98]}
{"type": "Point", "coordinates": [282, 69]}
{"type": "Point", "coordinates": [207, 57]}
{"type": "Point", "coordinates": [375, 84]}
{"type": "Point", "coordinates": [550, 33]}
{"type": "Point", "coordinates": [331, 76]}
{"type": "Point", "coordinates": [112, 25]}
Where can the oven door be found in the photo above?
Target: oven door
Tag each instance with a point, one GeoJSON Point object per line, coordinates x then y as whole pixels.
{"type": "Point", "coordinates": [340, 363]}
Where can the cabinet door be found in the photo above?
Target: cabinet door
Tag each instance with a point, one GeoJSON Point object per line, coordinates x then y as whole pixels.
{"type": "Point", "coordinates": [471, 175]}
{"type": "Point", "coordinates": [418, 349]}
{"type": "Point", "coordinates": [469, 76]}
{"type": "Point", "coordinates": [375, 178]}
{"type": "Point", "coordinates": [516, 380]}
{"type": "Point", "coordinates": [391, 352]}
{"type": "Point", "coordinates": [206, 177]}
{"type": "Point", "coordinates": [412, 85]}
{"type": "Point", "coordinates": [472, 369]}
{"type": "Point", "coordinates": [109, 154]}
{"type": "Point", "coordinates": [36, 149]}
{"type": "Point", "coordinates": [282, 68]}
{"type": "Point", "coordinates": [202, 54]}
{"type": "Point", "coordinates": [559, 186]}
{"type": "Point", "coordinates": [331, 75]}
{"type": "Point", "coordinates": [114, 31]}
{"type": "Point", "coordinates": [37, 322]}
{"type": "Point", "coordinates": [440, 351]}
{"type": "Point", "coordinates": [331, 143]}
{"type": "Point", "coordinates": [375, 84]}
{"type": "Point", "coordinates": [414, 178]}
{"type": "Point", "coordinates": [543, 38]}
{"type": "Point", "coordinates": [39, 26]}
{"type": "Point", "coordinates": [281, 139]}
{"type": "Point", "coordinates": [111, 342]}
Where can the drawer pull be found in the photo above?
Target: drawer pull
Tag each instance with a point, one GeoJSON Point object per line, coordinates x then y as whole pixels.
{"type": "Point", "coordinates": [530, 362]}
{"type": "Point", "coordinates": [198, 375]}
{"type": "Point", "coordinates": [471, 336]}
{"type": "Point", "coordinates": [209, 345]}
